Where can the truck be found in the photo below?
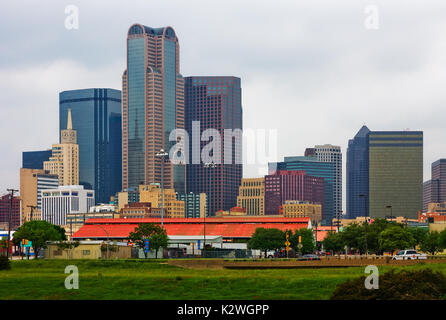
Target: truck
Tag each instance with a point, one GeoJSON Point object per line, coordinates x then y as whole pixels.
{"type": "Point", "coordinates": [409, 255]}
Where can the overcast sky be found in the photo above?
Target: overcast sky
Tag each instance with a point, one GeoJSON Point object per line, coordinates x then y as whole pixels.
{"type": "Point", "coordinates": [309, 69]}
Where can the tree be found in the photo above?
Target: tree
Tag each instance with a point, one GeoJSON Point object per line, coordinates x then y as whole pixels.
{"type": "Point", "coordinates": [307, 237]}
{"type": "Point", "coordinates": [267, 239]}
{"type": "Point", "coordinates": [431, 243]}
{"type": "Point", "coordinates": [157, 237]}
{"type": "Point", "coordinates": [39, 232]}
{"type": "Point", "coordinates": [395, 237]}
{"type": "Point", "coordinates": [333, 242]}
{"type": "Point", "coordinates": [61, 231]}
{"type": "Point", "coordinates": [442, 239]}
{"type": "Point", "coordinates": [354, 237]}
{"type": "Point", "coordinates": [419, 235]}
{"type": "Point", "coordinates": [372, 232]}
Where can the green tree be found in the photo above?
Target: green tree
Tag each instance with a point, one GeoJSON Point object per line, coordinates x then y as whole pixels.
{"type": "Point", "coordinates": [353, 236]}
{"type": "Point", "coordinates": [157, 237]}
{"type": "Point", "coordinates": [395, 237]}
{"type": "Point", "coordinates": [68, 245]}
{"type": "Point", "coordinates": [442, 239]}
{"type": "Point", "coordinates": [431, 243]}
{"type": "Point", "coordinates": [307, 237]}
{"type": "Point", "coordinates": [61, 231]}
{"type": "Point", "coordinates": [267, 239]}
{"type": "Point", "coordinates": [39, 232]}
{"type": "Point", "coordinates": [419, 235]}
{"type": "Point", "coordinates": [372, 232]}
{"type": "Point", "coordinates": [333, 242]}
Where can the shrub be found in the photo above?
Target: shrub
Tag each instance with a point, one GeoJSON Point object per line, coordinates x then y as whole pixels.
{"type": "Point", "coordinates": [4, 263]}
{"type": "Point", "coordinates": [405, 285]}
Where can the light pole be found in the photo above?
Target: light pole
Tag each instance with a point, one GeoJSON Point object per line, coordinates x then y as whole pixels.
{"type": "Point", "coordinates": [209, 165]}
{"type": "Point", "coordinates": [338, 220]}
{"type": "Point", "coordinates": [9, 220]}
{"type": "Point", "coordinates": [162, 154]}
{"type": "Point", "coordinates": [366, 222]}
{"type": "Point", "coordinates": [391, 215]}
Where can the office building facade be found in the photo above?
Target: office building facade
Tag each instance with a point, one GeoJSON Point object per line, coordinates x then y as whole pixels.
{"type": "Point", "coordinates": [251, 196]}
{"type": "Point", "coordinates": [434, 190]}
{"type": "Point", "coordinates": [285, 185]}
{"type": "Point", "coordinates": [152, 107]}
{"type": "Point", "coordinates": [333, 154]}
{"type": "Point", "coordinates": [96, 116]}
{"type": "Point", "coordinates": [195, 205]}
{"type": "Point", "coordinates": [5, 209]}
{"type": "Point", "coordinates": [312, 167]}
{"type": "Point", "coordinates": [357, 175]}
{"type": "Point", "coordinates": [302, 209]}
{"type": "Point", "coordinates": [35, 159]}
{"type": "Point", "coordinates": [64, 160]}
{"type": "Point", "coordinates": [214, 103]}
{"type": "Point", "coordinates": [395, 173]}
{"type": "Point", "coordinates": [58, 203]}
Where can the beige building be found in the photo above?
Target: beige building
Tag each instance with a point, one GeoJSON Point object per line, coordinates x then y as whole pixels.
{"type": "Point", "coordinates": [251, 196]}
{"type": "Point", "coordinates": [65, 157]}
{"type": "Point", "coordinates": [152, 193]}
{"type": "Point", "coordinates": [301, 209]}
{"type": "Point", "coordinates": [437, 207]}
{"type": "Point", "coordinates": [32, 182]}
{"type": "Point", "coordinates": [90, 250]}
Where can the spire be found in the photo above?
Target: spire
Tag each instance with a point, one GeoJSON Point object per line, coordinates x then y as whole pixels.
{"type": "Point", "coordinates": [69, 123]}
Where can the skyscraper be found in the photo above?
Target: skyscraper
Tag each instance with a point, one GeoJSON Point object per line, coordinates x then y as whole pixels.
{"type": "Point", "coordinates": [214, 103]}
{"type": "Point", "coordinates": [96, 116]}
{"type": "Point", "coordinates": [358, 174]}
{"type": "Point", "coordinates": [395, 173]}
{"type": "Point", "coordinates": [152, 106]}
{"type": "Point", "coordinates": [434, 190]}
{"type": "Point", "coordinates": [35, 159]}
{"type": "Point", "coordinates": [64, 161]}
{"type": "Point", "coordinates": [315, 168]}
{"type": "Point", "coordinates": [286, 185]}
{"type": "Point", "coordinates": [5, 210]}
{"type": "Point", "coordinates": [333, 154]}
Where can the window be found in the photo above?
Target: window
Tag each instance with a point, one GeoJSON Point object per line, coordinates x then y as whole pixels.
{"type": "Point", "coordinates": [85, 252]}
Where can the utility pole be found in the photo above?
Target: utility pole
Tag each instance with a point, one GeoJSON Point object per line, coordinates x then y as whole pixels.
{"type": "Point", "coordinates": [9, 220]}
{"type": "Point", "coordinates": [366, 222]}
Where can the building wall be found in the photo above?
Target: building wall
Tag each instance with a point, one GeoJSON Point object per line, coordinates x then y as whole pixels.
{"type": "Point", "coordinates": [430, 193]}
{"type": "Point", "coordinates": [358, 174]}
{"type": "Point", "coordinates": [5, 209]}
{"type": "Point", "coordinates": [314, 168]}
{"type": "Point", "coordinates": [194, 204]}
{"type": "Point", "coordinates": [286, 185]}
{"type": "Point", "coordinates": [96, 116]}
{"type": "Point", "coordinates": [214, 103]}
{"type": "Point", "coordinates": [64, 163]}
{"type": "Point", "coordinates": [87, 251]}
{"type": "Point", "coordinates": [299, 209]}
{"type": "Point", "coordinates": [395, 173]}
{"type": "Point", "coordinates": [251, 196]}
{"type": "Point", "coordinates": [333, 154]}
{"type": "Point", "coordinates": [35, 159]}
{"type": "Point", "coordinates": [153, 105]}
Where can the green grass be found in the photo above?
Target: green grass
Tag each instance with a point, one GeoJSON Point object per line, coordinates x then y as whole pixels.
{"type": "Point", "coordinates": [143, 279]}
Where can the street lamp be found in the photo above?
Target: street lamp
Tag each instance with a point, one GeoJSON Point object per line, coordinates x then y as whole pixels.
{"type": "Point", "coordinates": [209, 165]}
{"type": "Point", "coordinates": [391, 215]}
{"type": "Point", "coordinates": [338, 222]}
{"type": "Point", "coordinates": [366, 222]}
{"type": "Point", "coordinates": [162, 154]}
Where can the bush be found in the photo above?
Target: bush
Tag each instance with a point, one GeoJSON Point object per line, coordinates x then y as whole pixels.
{"type": "Point", "coordinates": [405, 285]}
{"type": "Point", "coordinates": [4, 263]}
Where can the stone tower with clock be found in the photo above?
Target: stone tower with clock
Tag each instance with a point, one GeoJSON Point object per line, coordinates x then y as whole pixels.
{"type": "Point", "coordinates": [68, 136]}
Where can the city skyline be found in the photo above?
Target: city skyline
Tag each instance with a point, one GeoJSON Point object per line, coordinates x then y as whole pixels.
{"type": "Point", "coordinates": [260, 86]}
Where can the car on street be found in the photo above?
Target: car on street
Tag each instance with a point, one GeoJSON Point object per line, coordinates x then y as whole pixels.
{"type": "Point", "coordinates": [310, 257]}
{"type": "Point", "coordinates": [409, 255]}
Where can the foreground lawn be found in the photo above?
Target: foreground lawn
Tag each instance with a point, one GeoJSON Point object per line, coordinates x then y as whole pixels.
{"type": "Point", "coordinates": [142, 279]}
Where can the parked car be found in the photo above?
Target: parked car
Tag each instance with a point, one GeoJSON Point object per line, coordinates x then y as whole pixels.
{"type": "Point", "coordinates": [310, 257]}
{"type": "Point", "coordinates": [409, 255]}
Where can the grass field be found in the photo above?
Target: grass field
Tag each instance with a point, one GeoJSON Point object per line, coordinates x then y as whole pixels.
{"type": "Point", "coordinates": [139, 279]}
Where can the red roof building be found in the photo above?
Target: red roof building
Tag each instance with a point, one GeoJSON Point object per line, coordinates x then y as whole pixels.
{"type": "Point", "coordinates": [228, 228]}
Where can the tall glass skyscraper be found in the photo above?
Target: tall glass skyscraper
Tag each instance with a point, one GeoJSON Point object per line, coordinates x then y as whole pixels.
{"type": "Point", "coordinates": [215, 103]}
{"type": "Point", "coordinates": [315, 168]}
{"type": "Point", "coordinates": [96, 115]}
{"type": "Point", "coordinates": [358, 175]}
{"type": "Point", "coordinates": [35, 159]}
{"type": "Point", "coordinates": [152, 106]}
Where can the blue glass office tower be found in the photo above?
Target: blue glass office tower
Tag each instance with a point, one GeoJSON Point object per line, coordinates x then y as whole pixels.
{"type": "Point", "coordinates": [358, 175]}
{"type": "Point", "coordinates": [35, 159]}
{"type": "Point", "coordinates": [152, 107]}
{"type": "Point", "coordinates": [96, 116]}
{"type": "Point", "coordinates": [315, 168]}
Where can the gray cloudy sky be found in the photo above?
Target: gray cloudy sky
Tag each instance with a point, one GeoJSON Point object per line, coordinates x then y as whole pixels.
{"type": "Point", "coordinates": [309, 68]}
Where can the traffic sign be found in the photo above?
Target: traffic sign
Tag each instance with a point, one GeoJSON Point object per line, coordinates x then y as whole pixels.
{"type": "Point", "coordinates": [146, 245]}
{"type": "Point", "coordinates": [198, 244]}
